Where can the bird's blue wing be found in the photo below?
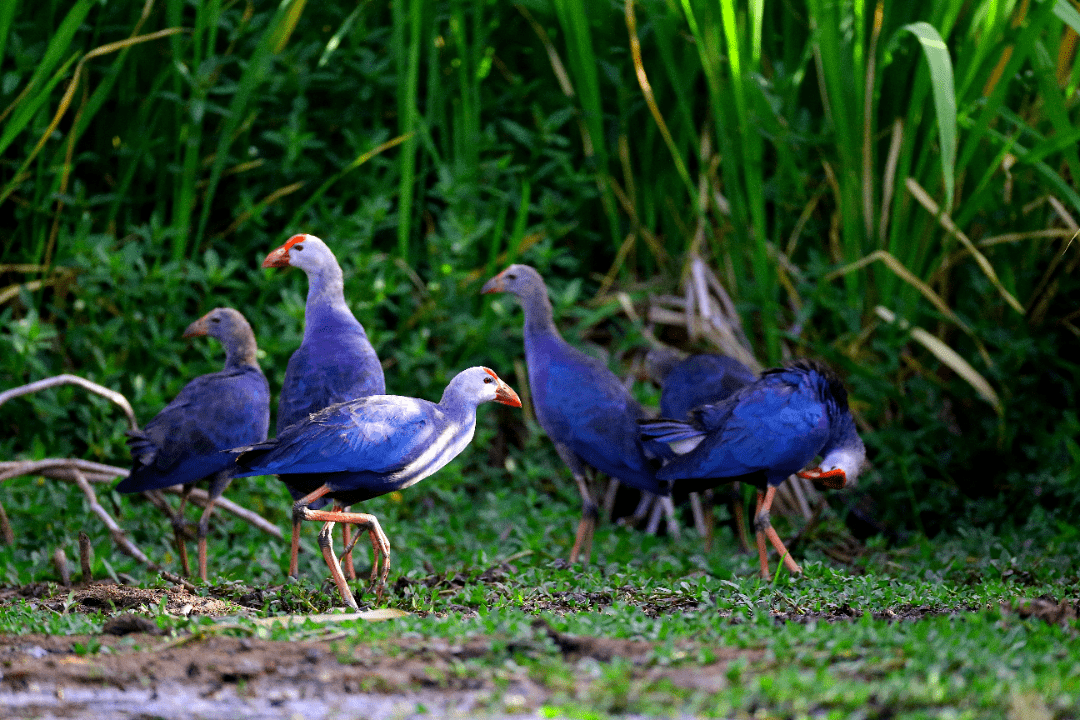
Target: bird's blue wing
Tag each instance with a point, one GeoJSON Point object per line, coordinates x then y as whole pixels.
{"type": "Point", "coordinates": [379, 434]}
{"type": "Point", "coordinates": [771, 427]}
{"type": "Point", "coordinates": [189, 439]}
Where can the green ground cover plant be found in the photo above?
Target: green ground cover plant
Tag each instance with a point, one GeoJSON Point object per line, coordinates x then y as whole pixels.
{"type": "Point", "coordinates": [887, 186]}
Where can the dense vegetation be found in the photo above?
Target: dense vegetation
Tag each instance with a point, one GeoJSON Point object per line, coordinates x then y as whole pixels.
{"type": "Point", "coordinates": [906, 213]}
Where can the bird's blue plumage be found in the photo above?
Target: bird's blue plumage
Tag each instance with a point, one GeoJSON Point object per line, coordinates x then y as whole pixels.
{"type": "Point", "coordinates": [373, 445]}
{"type": "Point", "coordinates": [188, 440]}
{"type": "Point", "coordinates": [700, 380]}
{"type": "Point", "coordinates": [765, 431]}
{"type": "Point", "coordinates": [335, 363]}
{"type": "Point", "coordinates": [582, 405]}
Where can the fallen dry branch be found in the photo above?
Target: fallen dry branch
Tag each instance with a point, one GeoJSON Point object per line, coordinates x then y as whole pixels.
{"type": "Point", "coordinates": [73, 380]}
{"type": "Point", "coordinates": [92, 472]}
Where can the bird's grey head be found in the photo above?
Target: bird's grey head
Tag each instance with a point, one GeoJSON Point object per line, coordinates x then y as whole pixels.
{"type": "Point", "coordinates": [222, 323]}
{"type": "Point", "coordinates": [478, 385]}
{"type": "Point", "coordinates": [518, 280]}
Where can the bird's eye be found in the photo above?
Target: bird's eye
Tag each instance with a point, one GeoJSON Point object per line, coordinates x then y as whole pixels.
{"type": "Point", "coordinates": [511, 277]}
{"type": "Point", "coordinates": [487, 379]}
{"type": "Point", "coordinates": [297, 248]}
{"type": "Point", "coordinates": [215, 319]}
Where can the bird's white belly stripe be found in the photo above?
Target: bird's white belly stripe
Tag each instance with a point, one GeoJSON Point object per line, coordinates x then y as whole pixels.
{"type": "Point", "coordinates": [681, 447]}
{"type": "Point", "coordinates": [442, 450]}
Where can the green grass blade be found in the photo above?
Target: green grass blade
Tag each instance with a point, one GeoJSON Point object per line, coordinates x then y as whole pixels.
{"type": "Point", "coordinates": [37, 90]}
{"type": "Point", "coordinates": [256, 70]}
{"type": "Point", "coordinates": [407, 26]}
{"type": "Point", "coordinates": [7, 14]}
{"type": "Point", "coordinates": [941, 72]}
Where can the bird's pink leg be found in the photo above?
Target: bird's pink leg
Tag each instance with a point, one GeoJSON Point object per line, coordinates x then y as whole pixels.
{"type": "Point", "coordinates": [217, 487]}
{"type": "Point", "coordinates": [178, 529]}
{"type": "Point", "coordinates": [380, 545]}
{"type": "Point", "coordinates": [204, 522]}
{"type": "Point", "coordinates": [761, 522]}
{"type": "Point", "coordinates": [326, 544]}
{"type": "Point", "coordinates": [298, 517]}
{"type": "Point", "coordinates": [739, 515]}
{"type": "Point", "coordinates": [346, 557]}
{"type": "Point", "coordinates": [763, 553]}
{"type": "Point", "coordinates": [587, 525]}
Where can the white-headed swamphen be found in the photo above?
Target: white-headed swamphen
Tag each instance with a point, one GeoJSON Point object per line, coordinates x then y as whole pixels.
{"type": "Point", "coordinates": [688, 382]}
{"type": "Point", "coordinates": [585, 410]}
{"type": "Point", "coordinates": [334, 363]}
{"type": "Point", "coordinates": [762, 434]}
{"type": "Point", "coordinates": [190, 439]}
{"type": "Point", "coordinates": [369, 447]}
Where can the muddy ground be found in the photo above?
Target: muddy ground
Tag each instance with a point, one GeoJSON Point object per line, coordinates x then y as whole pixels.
{"type": "Point", "coordinates": [131, 670]}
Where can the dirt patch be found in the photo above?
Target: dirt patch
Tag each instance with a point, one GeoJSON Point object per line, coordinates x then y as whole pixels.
{"type": "Point", "coordinates": [109, 597]}
{"type": "Point", "coordinates": [48, 676]}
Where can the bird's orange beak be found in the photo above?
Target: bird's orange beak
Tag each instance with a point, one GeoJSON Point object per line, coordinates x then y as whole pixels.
{"type": "Point", "coordinates": [199, 327]}
{"type": "Point", "coordinates": [493, 285]}
{"type": "Point", "coordinates": [504, 393]}
{"type": "Point", "coordinates": [280, 256]}
{"type": "Point", "coordinates": [832, 480]}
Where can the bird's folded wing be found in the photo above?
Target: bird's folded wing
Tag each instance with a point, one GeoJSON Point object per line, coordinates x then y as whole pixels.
{"type": "Point", "coordinates": [350, 437]}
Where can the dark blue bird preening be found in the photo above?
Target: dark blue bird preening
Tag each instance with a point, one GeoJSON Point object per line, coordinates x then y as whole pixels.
{"type": "Point", "coordinates": [762, 434]}
{"type": "Point", "coordinates": [688, 382]}
{"type": "Point", "coordinates": [585, 410]}
{"type": "Point", "coordinates": [190, 439]}
{"type": "Point", "coordinates": [334, 363]}
{"type": "Point", "coordinates": [371, 446]}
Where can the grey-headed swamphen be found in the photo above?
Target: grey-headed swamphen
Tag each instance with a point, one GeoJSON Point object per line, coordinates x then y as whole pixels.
{"type": "Point", "coordinates": [369, 447]}
{"type": "Point", "coordinates": [688, 382]}
{"type": "Point", "coordinates": [762, 434]}
{"type": "Point", "coordinates": [334, 363]}
{"type": "Point", "coordinates": [190, 438]}
{"type": "Point", "coordinates": [582, 406]}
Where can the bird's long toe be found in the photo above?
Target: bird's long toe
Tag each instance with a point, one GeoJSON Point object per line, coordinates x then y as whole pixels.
{"type": "Point", "coordinates": [326, 544]}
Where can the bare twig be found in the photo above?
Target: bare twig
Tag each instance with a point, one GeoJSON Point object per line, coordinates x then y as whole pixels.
{"type": "Point", "coordinates": [86, 556]}
{"type": "Point", "coordinates": [118, 535]}
{"type": "Point", "coordinates": [92, 472]}
{"type": "Point", "coordinates": [60, 561]}
{"type": "Point", "coordinates": [177, 580]}
{"type": "Point", "coordinates": [73, 380]}
{"type": "Point", "coordinates": [5, 528]}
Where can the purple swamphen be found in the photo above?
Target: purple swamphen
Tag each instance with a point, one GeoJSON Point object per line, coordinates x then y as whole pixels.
{"type": "Point", "coordinates": [688, 382]}
{"type": "Point", "coordinates": [334, 363]}
{"type": "Point", "coordinates": [368, 447]}
{"type": "Point", "coordinates": [762, 434]}
{"type": "Point", "coordinates": [585, 410]}
{"type": "Point", "coordinates": [190, 438]}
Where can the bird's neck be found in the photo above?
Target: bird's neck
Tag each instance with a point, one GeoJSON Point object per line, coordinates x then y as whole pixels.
{"type": "Point", "coordinates": [326, 299]}
{"type": "Point", "coordinates": [461, 412]}
{"type": "Point", "coordinates": [539, 316]}
{"type": "Point", "coordinates": [241, 352]}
